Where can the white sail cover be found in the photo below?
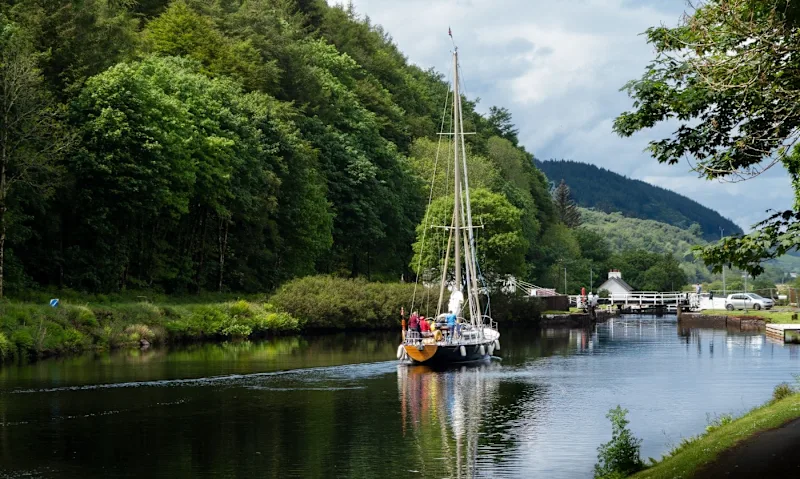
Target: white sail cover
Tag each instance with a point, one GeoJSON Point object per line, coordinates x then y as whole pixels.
{"type": "Point", "coordinates": [456, 300]}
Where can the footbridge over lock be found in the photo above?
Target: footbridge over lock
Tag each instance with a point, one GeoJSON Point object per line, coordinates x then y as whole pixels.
{"type": "Point", "coordinates": [645, 302]}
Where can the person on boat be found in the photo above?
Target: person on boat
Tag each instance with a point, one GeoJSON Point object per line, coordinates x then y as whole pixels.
{"type": "Point", "coordinates": [424, 327]}
{"type": "Point", "coordinates": [413, 322]}
{"type": "Point", "coordinates": [451, 324]}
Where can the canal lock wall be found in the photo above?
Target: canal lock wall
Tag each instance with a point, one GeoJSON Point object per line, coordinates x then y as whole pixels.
{"type": "Point", "coordinates": [736, 323]}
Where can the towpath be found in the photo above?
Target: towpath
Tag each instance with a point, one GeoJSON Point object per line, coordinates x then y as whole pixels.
{"type": "Point", "coordinates": [771, 453]}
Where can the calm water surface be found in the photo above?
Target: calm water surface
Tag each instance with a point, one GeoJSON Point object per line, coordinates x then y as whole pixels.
{"type": "Point", "coordinates": [341, 406]}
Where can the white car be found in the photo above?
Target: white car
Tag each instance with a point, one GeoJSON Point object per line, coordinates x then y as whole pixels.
{"type": "Point", "coordinates": [747, 301]}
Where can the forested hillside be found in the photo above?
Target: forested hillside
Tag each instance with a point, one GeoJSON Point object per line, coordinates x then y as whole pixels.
{"type": "Point", "coordinates": [604, 190]}
{"type": "Point", "coordinates": [188, 145]}
{"type": "Point", "coordinates": [623, 233]}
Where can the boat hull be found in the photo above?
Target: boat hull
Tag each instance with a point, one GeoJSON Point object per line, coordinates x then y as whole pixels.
{"type": "Point", "coordinates": [447, 353]}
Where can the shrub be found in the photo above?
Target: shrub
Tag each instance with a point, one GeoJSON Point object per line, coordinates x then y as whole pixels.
{"type": "Point", "coordinates": [74, 340]}
{"type": "Point", "coordinates": [619, 457]}
{"type": "Point", "coordinates": [6, 348]}
{"type": "Point", "coordinates": [236, 331]}
{"type": "Point", "coordinates": [781, 391]}
{"type": "Point", "coordinates": [239, 308]}
{"type": "Point", "coordinates": [82, 316]}
{"type": "Point", "coordinates": [23, 340]}
{"type": "Point", "coordinates": [137, 332]}
{"type": "Point", "coordinates": [338, 303]}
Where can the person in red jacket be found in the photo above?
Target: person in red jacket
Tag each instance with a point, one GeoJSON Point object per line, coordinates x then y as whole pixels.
{"type": "Point", "coordinates": [413, 322]}
{"type": "Point", "coordinates": [424, 326]}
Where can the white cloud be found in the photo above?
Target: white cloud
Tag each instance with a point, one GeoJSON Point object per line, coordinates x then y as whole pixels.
{"type": "Point", "coordinates": [558, 66]}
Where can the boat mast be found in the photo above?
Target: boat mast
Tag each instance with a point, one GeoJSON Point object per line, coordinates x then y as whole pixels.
{"type": "Point", "coordinates": [457, 175]}
{"type": "Point", "coordinates": [469, 238]}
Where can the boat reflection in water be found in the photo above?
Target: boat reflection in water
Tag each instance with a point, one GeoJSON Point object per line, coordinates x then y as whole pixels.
{"type": "Point", "coordinates": [443, 413]}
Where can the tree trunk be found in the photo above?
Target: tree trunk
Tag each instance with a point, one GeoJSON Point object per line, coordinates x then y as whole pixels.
{"type": "Point", "coordinates": [223, 244]}
{"type": "Point", "coordinates": [203, 230]}
{"type": "Point", "coordinates": [3, 206]}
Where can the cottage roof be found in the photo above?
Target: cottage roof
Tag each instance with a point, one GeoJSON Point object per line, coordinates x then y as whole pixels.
{"type": "Point", "coordinates": [619, 281]}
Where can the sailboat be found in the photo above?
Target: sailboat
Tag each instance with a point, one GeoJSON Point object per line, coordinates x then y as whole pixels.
{"type": "Point", "coordinates": [474, 336]}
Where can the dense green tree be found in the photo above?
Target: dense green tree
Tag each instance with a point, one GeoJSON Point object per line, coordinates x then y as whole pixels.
{"type": "Point", "coordinates": [81, 39]}
{"type": "Point", "coordinates": [31, 134]}
{"type": "Point", "coordinates": [500, 243]}
{"type": "Point", "coordinates": [664, 275]}
{"type": "Point", "coordinates": [559, 248]}
{"type": "Point", "coordinates": [180, 31]}
{"type": "Point", "coordinates": [182, 173]}
{"type": "Point", "coordinates": [500, 121]}
{"type": "Point", "coordinates": [429, 161]}
{"type": "Point", "coordinates": [233, 146]}
{"type": "Point", "coordinates": [734, 98]}
{"type": "Point", "coordinates": [565, 207]}
{"type": "Point", "coordinates": [646, 271]}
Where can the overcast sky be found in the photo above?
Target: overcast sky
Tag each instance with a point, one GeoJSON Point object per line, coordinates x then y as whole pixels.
{"type": "Point", "coordinates": [558, 67]}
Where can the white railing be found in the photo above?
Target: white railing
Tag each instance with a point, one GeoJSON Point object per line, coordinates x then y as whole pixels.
{"type": "Point", "coordinates": [649, 298]}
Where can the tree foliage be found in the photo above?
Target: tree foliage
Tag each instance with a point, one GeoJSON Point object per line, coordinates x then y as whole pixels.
{"type": "Point", "coordinates": [565, 207]}
{"type": "Point", "coordinates": [32, 135]}
{"type": "Point", "coordinates": [500, 242]}
{"type": "Point", "coordinates": [233, 146]}
{"type": "Point", "coordinates": [620, 457]}
{"type": "Point", "coordinates": [728, 73]}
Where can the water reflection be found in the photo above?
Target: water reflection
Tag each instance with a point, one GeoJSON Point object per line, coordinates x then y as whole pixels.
{"type": "Point", "coordinates": [443, 414]}
{"type": "Point", "coordinates": [339, 405]}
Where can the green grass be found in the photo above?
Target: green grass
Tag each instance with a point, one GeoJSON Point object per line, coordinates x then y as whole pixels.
{"type": "Point", "coordinates": [571, 311]}
{"type": "Point", "coordinates": [772, 316]}
{"type": "Point", "coordinates": [693, 454]}
{"type": "Point", "coordinates": [34, 330]}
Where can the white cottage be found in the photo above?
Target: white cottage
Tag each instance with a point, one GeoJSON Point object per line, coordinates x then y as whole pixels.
{"type": "Point", "coordinates": [615, 284]}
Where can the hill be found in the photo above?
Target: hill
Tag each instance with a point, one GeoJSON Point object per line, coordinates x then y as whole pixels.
{"type": "Point", "coordinates": [623, 233]}
{"type": "Point", "coordinates": [604, 190]}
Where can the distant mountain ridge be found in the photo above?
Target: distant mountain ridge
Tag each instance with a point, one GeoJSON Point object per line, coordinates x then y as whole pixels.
{"type": "Point", "coordinates": [604, 190]}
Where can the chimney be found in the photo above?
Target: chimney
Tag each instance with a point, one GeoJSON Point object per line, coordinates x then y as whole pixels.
{"type": "Point", "coordinates": [614, 273]}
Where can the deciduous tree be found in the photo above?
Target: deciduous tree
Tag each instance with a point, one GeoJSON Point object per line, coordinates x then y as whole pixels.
{"type": "Point", "coordinates": [31, 133]}
{"type": "Point", "coordinates": [728, 75]}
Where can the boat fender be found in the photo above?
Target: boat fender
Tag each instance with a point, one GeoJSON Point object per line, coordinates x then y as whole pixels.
{"type": "Point", "coordinates": [400, 351]}
{"type": "Point", "coordinates": [483, 350]}
{"type": "Point", "coordinates": [463, 351]}
{"type": "Point", "coordinates": [491, 349]}
{"type": "Point", "coordinates": [497, 344]}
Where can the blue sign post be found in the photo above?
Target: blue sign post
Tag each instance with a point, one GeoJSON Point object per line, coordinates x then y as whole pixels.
{"type": "Point", "coordinates": [54, 302]}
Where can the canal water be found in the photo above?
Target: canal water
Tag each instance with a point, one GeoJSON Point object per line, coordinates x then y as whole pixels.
{"type": "Point", "coordinates": [341, 406]}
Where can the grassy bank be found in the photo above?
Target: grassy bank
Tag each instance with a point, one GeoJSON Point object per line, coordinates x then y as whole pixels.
{"type": "Point", "coordinates": [694, 453]}
{"type": "Point", "coordinates": [29, 327]}
{"type": "Point", "coordinates": [771, 316]}
{"type": "Point", "coordinates": [36, 330]}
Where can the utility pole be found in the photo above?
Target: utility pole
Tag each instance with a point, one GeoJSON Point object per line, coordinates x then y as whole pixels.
{"type": "Point", "coordinates": [724, 289]}
{"type": "Point", "coordinates": [565, 279]}
{"type": "Point", "coordinates": [591, 280]}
